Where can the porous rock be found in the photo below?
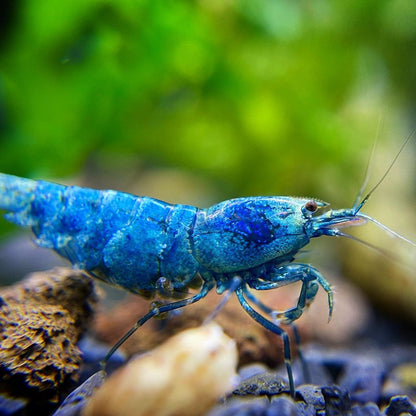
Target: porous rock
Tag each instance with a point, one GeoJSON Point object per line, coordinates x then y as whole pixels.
{"type": "Point", "coordinates": [41, 320]}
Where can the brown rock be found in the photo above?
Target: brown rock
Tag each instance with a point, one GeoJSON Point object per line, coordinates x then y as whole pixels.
{"type": "Point", "coordinates": [41, 320]}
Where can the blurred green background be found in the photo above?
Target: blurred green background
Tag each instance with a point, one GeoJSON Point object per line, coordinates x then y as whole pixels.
{"type": "Point", "coordinates": [226, 98]}
{"type": "Point", "coordinates": [200, 101]}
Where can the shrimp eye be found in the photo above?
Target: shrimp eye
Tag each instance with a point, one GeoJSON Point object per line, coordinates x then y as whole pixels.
{"type": "Point", "coordinates": [311, 206]}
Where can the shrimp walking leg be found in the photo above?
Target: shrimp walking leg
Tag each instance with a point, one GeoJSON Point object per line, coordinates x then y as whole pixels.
{"type": "Point", "coordinates": [296, 335]}
{"type": "Point", "coordinates": [295, 272]}
{"type": "Point", "coordinates": [155, 311]}
{"type": "Point", "coordinates": [271, 326]}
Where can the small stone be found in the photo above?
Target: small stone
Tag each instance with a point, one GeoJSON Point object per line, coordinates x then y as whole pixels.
{"type": "Point", "coordinates": [312, 396]}
{"type": "Point", "coordinates": [400, 405]}
{"type": "Point", "coordinates": [363, 379]}
{"type": "Point", "coordinates": [184, 376]}
{"type": "Point", "coordinates": [266, 383]}
{"type": "Point", "coordinates": [337, 401]}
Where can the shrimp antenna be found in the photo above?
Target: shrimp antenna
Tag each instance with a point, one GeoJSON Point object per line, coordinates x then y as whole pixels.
{"type": "Point", "coordinates": [365, 199]}
{"type": "Point", "coordinates": [368, 170]}
{"type": "Point", "coordinates": [388, 254]}
{"type": "Point", "coordinates": [387, 229]}
{"type": "Point", "coordinates": [365, 243]}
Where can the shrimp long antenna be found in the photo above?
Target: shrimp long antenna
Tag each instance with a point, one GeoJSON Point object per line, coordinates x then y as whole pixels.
{"type": "Point", "coordinates": [368, 170]}
{"type": "Point", "coordinates": [366, 177]}
{"type": "Point", "coordinates": [365, 243]}
{"type": "Point", "coordinates": [365, 199]}
{"type": "Point", "coordinates": [388, 254]}
{"type": "Point", "coordinates": [387, 229]}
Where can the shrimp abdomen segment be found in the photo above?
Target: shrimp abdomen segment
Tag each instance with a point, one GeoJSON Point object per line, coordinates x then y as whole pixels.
{"type": "Point", "coordinates": [125, 240]}
{"type": "Point", "coordinates": [162, 232]}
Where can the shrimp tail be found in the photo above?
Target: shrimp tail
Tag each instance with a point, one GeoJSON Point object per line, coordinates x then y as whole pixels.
{"type": "Point", "coordinates": [16, 195]}
{"type": "Point", "coordinates": [60, 217]}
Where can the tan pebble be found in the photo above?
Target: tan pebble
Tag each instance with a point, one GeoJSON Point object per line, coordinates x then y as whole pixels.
{"type": "Point", "coordinates": [184, 376]}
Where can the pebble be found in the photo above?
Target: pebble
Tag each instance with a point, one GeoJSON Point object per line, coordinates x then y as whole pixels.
{"type": "Point", "coordinates": [355, 386]}
{"type": "Point", "coordinates": [184, 376]}
{"type": "Point", "coordinates": [400, 405]}
{"type": "Point", "coordinates": [266, 383]}
{"type": "Point", "coordinates": [363, 379]}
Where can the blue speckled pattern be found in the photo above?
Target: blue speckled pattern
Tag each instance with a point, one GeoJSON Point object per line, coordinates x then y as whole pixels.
{"type": "Point", "coordinates": [243, 233]}
{"type": "Point", "coordinates": [133, 241]}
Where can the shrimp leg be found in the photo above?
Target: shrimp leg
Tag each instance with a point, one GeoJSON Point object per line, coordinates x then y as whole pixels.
{"type": "Point", "coordinates": [310, 277]}
{"type": "Point", "coordinates": [296, 335]}
{"type": "Point", "coordinates": [271, 326]}
{"type": "Point", "coordinates": [155, 311]}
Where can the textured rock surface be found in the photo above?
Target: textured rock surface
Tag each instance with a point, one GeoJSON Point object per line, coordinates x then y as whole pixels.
{"type": "Point", "coordinates": [41, 320]}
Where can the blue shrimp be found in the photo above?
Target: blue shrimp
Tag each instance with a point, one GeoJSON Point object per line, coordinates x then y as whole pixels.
{"type": "Point", "coordinates": [150, 247]}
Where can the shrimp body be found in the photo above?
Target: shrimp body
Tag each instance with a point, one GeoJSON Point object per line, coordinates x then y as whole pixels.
{"type": "Point", "coordinates": [148, 246]}
{"type": "Point", "coordinates": [132, 241]}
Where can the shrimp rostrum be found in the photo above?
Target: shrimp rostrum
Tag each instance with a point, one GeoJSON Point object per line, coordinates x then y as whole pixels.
{"type": "Point", "coordinates": [149, 247]}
